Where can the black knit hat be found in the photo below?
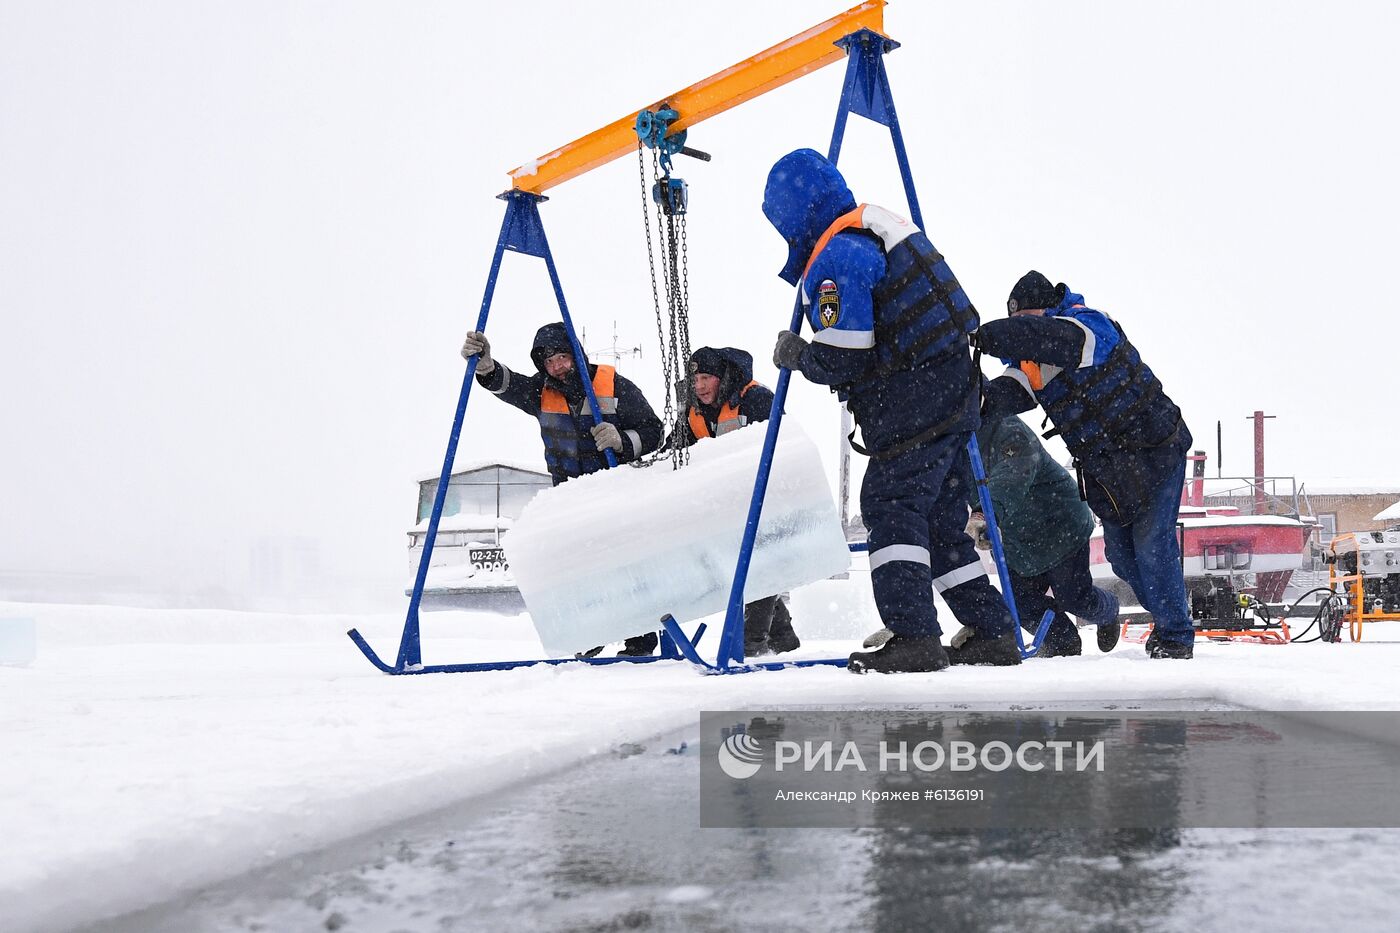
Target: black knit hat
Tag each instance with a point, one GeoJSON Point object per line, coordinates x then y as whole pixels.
{"type": "Point", "coordinates": [1034, 291]}
{"type": "Point", "coordinates": [707, 360]}
{"type": "Point", "coordinates": [539, 354]}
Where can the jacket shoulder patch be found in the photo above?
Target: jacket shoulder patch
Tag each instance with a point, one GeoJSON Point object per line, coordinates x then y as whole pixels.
{"type": "Point", "coordinates": [828, 303]}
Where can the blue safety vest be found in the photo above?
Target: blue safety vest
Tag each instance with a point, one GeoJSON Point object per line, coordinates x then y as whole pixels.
{"type": "Point", "coordinates": [569, 449]}
{"type": "Point", "coordinates": [921, 312]}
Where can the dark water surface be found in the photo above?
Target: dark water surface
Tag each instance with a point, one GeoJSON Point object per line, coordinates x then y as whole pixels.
{"type": "Point", "coordinates": [614, 845]}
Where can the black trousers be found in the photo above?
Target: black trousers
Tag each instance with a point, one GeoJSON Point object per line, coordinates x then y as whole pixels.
{"type": "Point", "coordinates": [1074, 593]}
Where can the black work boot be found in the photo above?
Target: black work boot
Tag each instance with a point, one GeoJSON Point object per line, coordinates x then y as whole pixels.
{"type": "Point", "coordinates": [781, 637]}
{"type": "Point", "coordinates": [758, 622]}
{"type": "Point", "coordinates": [1158, 647]}
{"type": "Point", "coordinates": [1001, 651]}
{"type": "Point", "coordinates": [1059, 648]}
{"type": "Point", "coordinates": [639, 646]}
{"type": "Point", "coordinates": [901, 654]}
{"type": "Point", "coordinates": [1108, 636]}
{"type": "Point", "coordinates": [1061, 639]}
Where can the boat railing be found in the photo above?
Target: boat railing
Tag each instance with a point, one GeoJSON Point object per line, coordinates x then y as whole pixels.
{"type": "Point", "coordinates": [1266, 495]}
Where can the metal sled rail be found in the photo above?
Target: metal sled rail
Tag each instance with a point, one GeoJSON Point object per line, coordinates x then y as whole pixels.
{"type": "Point", "coordinates": [675, 646]}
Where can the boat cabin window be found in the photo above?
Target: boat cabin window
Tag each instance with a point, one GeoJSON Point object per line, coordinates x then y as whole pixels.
{"type": "Point", "coordinates": [1226, 557]}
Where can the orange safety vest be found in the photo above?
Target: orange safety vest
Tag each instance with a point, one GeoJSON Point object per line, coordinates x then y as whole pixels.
{"type": "Point", "coordinates": [553, 402]}
{"type": "Point", "coordinates": [727, 421]}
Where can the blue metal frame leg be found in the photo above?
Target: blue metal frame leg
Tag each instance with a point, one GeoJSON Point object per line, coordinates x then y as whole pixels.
{"type": "Point", "coordinates": [522, 231]}
{"type": "Point", "coordinates": [984, 496]}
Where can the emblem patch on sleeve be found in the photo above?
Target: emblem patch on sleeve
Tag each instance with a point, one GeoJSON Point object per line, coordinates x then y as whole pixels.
{"type": "Point", "coordinates": [828, 303]}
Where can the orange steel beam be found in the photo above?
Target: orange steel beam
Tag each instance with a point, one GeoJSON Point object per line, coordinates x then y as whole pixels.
{"type": "Point", "coordinates": [772, 68]}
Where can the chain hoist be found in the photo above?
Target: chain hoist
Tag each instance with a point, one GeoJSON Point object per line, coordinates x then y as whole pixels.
{"type": "Point", "coordinates": [670, 201]}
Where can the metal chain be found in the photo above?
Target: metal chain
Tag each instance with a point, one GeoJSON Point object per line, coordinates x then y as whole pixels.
{"type": "Point", "coordinates": [681, 314]}
{"type": "Point", "coordinates": [675, 351]}
{"type": "Point", "coordinates": [669, 414]}
{"type": "Point", "coordinates": [673, 293]}
{"type": "Point", "coordinates": [685, 294]}
{"type": "Point", "coordinates": [674, 367]}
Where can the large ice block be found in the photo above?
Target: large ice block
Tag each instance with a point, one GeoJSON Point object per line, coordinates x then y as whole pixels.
{"type": "Point", "coordinates": [605, 556]}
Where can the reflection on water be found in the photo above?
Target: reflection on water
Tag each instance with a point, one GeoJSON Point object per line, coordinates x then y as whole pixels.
{"type": "Point", "coordinates": [1021, 880]}
{"type": "Point", "coordinates": [615, 845]}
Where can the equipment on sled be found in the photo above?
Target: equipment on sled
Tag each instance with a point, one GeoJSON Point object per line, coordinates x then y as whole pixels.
{"type": "Point", "coordinates": [662, 127]}
{"type": "Point", "coordinates": [1221, 612]}
{"type": "Point", "coordinates": [1364, 571]}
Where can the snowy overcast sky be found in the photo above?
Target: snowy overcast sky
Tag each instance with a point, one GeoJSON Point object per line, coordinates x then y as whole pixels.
{"type": "Point", "coordinates": [240, 242]}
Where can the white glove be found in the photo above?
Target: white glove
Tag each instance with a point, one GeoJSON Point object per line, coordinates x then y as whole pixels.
{"type": "Point", "coordinates": [477, 345]}
{"type": "Point", "coordinates": [607, 435]}
{"type": "Point", "coordinates": [977, 530]}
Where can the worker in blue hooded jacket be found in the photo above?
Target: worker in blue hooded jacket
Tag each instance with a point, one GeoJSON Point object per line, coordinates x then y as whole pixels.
{"type": "Point", "coordinates": [724, 397]}
{"type": "Point", "coordinates": [554, 395]}
{"type": "Point", "coordinates": [890, 327]}
{"type": "Point", "coordinates": [1127, 437]}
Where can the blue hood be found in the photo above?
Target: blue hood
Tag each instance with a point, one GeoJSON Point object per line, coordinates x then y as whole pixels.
{"type": "Point", "coordinates": [1066, 303]}
{"type": "Point", "coordinates": [804, 195]}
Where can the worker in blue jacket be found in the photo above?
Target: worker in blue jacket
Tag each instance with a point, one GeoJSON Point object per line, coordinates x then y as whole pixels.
{"type": "Point", "coordinates": [554, 395]}
{"type": "Point", "coordinates": [724, 397]}
{"type": "Point", "coordinates": [1127, 437]}
{"type": "Point", "coordinates": [890, 327]}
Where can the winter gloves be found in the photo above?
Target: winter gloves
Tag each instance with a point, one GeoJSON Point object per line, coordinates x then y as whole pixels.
{"type": "Point", "coordinates": [787, 352]}
{"type": "Point", "coordinates": [977, 530]}
{"type": "Point", "coordinates": [477, 345]}
{"type": "Point", "coordinates": [606, 435]}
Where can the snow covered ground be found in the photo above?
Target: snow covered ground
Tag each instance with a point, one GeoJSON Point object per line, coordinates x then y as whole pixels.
{"type": "Point", "coordinates": [150, 753]}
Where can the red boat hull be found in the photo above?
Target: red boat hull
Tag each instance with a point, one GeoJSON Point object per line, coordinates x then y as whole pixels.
{"type": "Point", "coordinates": [1267, 547]}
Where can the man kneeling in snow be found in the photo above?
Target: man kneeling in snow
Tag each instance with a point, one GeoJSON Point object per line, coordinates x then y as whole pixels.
{"type": "Point", "coordinates": [573, 444]}
{"type": "Point", "coordinates": [1045, 530]}
{"type": "Point", "coordinates": [724, 398]}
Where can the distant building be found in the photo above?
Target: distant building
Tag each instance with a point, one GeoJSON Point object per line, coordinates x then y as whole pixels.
{"type": "Point", "coordinates": [468, 568]}
{"type": "Point", "coordinates": [483, 500]}
{"type": "Point", "coordinates": [1340, 509]}
{"type": "Point", "coordinates": [1334, 509]}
